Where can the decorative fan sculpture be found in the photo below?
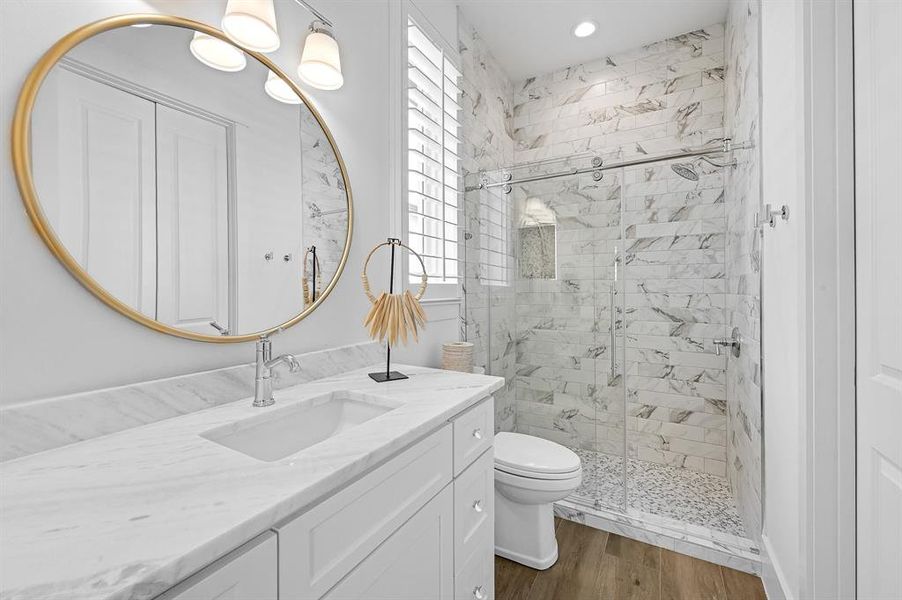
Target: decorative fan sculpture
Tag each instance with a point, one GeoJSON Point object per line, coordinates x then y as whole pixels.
{"type": "Point", "coordinates": [394, 317]}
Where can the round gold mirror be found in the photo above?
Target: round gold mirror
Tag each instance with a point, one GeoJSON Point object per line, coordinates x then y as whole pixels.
{"type": "Point", "coordinates": [187, 183]}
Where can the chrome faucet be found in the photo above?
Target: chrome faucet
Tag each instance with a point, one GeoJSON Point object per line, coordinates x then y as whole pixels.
{"type": "Point", "coordinates": [265, 365]}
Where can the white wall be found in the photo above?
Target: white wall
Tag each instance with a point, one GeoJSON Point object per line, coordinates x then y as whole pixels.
{"type": "Point", "coordinates": [55, 337]}
{"type": "Point", "coordinates": [783, 294]}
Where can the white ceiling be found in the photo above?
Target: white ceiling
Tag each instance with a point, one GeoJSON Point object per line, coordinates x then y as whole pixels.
{"type": "Point", "coordinates": [532, 37]}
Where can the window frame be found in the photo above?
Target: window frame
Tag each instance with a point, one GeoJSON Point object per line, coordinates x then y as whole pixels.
{"type": "Point", "coordinates": [437, 292]}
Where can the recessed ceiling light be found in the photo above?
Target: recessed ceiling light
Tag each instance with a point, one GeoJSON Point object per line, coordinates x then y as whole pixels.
{"type": "Point", "coordinates": [585, 29]}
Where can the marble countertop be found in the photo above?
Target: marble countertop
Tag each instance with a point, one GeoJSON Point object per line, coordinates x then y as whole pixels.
{"type": "Point", "coordinates": [130, 514]}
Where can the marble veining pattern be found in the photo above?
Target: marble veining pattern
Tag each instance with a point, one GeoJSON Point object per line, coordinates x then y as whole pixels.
{"type": "Point", "coordinates": [666, 229]}
{"type": "Point", "coordinates": [45, 424]}
{"type": "Point", "coordinates": [188, 500]}
{"type": "Point", "coordinates": [743, 248]}
{"type": "Point", "coordinates": [488, 311]}
{"type": "Point", "coordinates": [324, 222]}
{"type": "Point", "coordinates": [537, 257]}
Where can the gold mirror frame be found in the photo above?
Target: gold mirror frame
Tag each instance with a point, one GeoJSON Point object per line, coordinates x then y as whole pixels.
{"type": "Point", "coordinates": [21, 158]}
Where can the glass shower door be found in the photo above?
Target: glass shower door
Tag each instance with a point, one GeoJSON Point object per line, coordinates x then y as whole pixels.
{"type": "Point", "coordinates": [544, 303]}
{"type": "Point", "coordinates": [604, 469]}
{"type": "Point", "coordinates": [569, 311]}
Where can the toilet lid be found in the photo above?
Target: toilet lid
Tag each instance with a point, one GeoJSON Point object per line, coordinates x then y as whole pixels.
{"type": "Point", "coordinates": [532, 456]}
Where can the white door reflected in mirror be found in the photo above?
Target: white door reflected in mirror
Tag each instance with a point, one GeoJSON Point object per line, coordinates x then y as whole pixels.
{"type": "Point", "coordinates": [170, 182]}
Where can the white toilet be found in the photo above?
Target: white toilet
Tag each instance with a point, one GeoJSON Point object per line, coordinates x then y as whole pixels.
{"type": "Point", "coordinates": [530, 474]}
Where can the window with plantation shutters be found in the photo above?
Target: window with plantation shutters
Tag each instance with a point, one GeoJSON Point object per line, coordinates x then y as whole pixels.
{"type": "Point", "coordinates": [432, 158]}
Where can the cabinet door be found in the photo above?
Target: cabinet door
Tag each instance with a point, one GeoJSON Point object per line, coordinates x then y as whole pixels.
{"type": "Point", "coordinates": [474, 509]}
{"type": "Point", "coordinates": [248, 573]}
{"type": "Point", "coordinates": [415, 563]}
{"type": "Point", "coordinates": [321, 546]}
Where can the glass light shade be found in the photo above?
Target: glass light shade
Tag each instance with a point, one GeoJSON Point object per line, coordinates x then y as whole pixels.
{"type": "Point", "coordinates": [252, 24]}
{"type": "Point", "coordinates": [320, 62]}
{"type": "Point", "coordinates": [279, 90]}
{"type": "Point", "coordinates": [216, 53]}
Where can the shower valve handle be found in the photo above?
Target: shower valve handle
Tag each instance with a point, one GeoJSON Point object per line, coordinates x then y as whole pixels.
{"type": "Point", "coordinates": [734, 342]}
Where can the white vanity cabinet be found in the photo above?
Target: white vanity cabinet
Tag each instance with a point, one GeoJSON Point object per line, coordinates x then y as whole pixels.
{"type": "Point", "coordinates": [322, 545]}
{"type": "Point", "coordinates": [420, 526]}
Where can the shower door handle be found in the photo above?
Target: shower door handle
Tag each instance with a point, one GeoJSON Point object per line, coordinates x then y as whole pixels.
{"type": "Point", "coordinates": [613, 338]}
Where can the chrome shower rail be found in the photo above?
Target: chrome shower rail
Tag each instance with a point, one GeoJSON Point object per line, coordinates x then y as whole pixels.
{"type": "Point", "coordinates": [598, 166]}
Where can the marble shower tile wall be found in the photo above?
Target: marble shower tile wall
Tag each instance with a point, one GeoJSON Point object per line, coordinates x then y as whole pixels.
{"type": "Point", "coordinates": [563, 352]}
{"type": "Point", "coordinates": [324, 221]}
{"type": "Point", "coordinates": [670, 233]}
{"type": "Point", "coordinates": [743, 299]}
{"type": "Point", "coordinates": [487, 316]}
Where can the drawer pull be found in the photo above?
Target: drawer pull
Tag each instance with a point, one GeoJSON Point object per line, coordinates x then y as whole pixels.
{"type": "Point", "coordinates": [477, 506]}
{"type": "Point", "coordinates": [477, 433]}
{"type": "Point", "coordinates": [479, 593]}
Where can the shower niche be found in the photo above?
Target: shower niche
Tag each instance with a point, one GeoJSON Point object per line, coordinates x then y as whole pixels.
{"type": "Point", "coordinates": [536, 239]}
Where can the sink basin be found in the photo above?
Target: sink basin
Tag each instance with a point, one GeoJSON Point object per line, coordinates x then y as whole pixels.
{"type": "Point", "coordinates": [281, 432]}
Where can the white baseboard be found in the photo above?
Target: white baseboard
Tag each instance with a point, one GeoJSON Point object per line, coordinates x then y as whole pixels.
{"type": "Point", "coordinates": [775, 586]}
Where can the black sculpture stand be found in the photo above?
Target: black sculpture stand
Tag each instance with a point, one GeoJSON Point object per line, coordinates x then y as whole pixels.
{"type": "Point", "coordinates": [382, 377]}
{"type": "Point", "coordinates": [388, 374]}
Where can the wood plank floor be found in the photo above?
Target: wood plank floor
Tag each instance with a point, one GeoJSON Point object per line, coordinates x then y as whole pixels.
{"type": "Point", "coordinates": [597, 565]}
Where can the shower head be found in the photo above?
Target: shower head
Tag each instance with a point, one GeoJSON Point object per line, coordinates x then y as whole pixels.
{"type": "Point", "coordinates": [685, 170]}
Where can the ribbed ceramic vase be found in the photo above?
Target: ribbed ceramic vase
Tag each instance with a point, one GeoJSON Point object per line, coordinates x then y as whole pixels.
{"type": "Point", "coordinates": [457, 356]}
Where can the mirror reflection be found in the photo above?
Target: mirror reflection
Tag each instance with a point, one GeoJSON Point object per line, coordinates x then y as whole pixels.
{"type": "Point", "coordinates": [188, 180]}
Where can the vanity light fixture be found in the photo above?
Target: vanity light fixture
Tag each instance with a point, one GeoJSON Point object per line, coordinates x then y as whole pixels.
{"type": "Point", "coordinates": [320, 60]}
{"type": "Point", "coordinates": [585, 29]}
{"type": "Point", "coordinates": [279, 90]}
{"type": "Point", "coordinates": [216, 53]}
{"type": "Point", "coordinates": [252, 24]}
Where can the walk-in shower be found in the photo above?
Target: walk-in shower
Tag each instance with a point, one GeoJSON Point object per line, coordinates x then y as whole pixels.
{"type": "Point", "coordinates": [597, 287]}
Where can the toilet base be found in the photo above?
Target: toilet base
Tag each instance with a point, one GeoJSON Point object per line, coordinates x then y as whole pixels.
{"type": "Point", "coordinates": [526, 560]}
{"type": "Point", "coordinates": [524, 533]}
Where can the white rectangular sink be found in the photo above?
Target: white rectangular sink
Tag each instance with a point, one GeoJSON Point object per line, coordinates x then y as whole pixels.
{"type": "Point", "coordinates": [281, 432]}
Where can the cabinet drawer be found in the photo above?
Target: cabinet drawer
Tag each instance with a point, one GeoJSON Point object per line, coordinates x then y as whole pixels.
{"type": "Point", "coordinates": [247, 572]}
{"type": "Point", "coordinates": [473, 434]}
{"type": "Point", "coordinates": [474, 508]}
{"type": "Point", "coordinates": [476, 580]}
{"type": "Point", "coordinates": [322, 545]}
